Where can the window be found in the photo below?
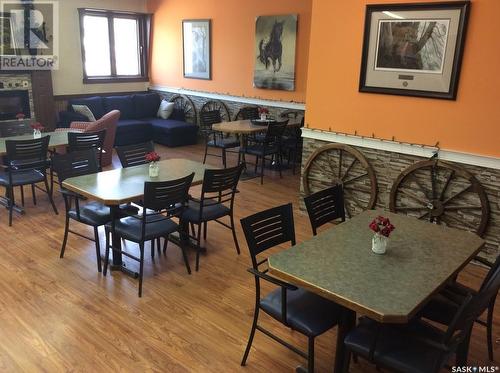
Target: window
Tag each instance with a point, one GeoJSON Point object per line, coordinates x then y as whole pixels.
{"type": "Point", "coordinates": [114, 45]}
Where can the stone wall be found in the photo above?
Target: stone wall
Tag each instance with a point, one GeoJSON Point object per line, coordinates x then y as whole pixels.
{"type": "Point", "coordinates": [233, 106]}
{"type": "Point", "coordinates": [389, 165]}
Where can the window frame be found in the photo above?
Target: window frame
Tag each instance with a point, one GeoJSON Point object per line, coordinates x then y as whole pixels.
{"type": "Point", "coordinates": [144, 27]}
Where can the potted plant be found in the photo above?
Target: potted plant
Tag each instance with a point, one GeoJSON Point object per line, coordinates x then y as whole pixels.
{"type": "Point", "coordinates": [20, 116]}
{"type": "Point", "coordinates": [382, 227]}
{"type": "Point", "coordinates": [263, 113]}
{"type": "Point", "coordinates": [154, 169]}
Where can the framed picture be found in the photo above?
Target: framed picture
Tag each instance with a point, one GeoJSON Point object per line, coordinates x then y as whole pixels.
{"type": "Point", "coordinates": [275, 39]}
{"type": "Point", "coordinates": [414, 49]}
{"type": "Point", "coordinates": [196, 42]}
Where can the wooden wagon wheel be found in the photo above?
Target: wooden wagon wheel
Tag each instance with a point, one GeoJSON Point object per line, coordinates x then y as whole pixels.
{"type": "Point", "coordinates": [342, 164]}
{"type": "Point", "coordinates": [214, 105]}
{"type": "Point", "coordinates": [442, 193]}
{"type": "Point", "coordinates": [185, 104]}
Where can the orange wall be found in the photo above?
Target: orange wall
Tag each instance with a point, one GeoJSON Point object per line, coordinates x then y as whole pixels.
{"type": "Point", "coordinates": [470, 124]}
{"type": "Point", "coordinates": [233, 38]}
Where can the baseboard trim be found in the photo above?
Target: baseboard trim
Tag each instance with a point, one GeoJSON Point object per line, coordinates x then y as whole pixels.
{"type": "Point", "coordinates": [218, 96]}
{"type": "Point", "coordinates": [403, 148]}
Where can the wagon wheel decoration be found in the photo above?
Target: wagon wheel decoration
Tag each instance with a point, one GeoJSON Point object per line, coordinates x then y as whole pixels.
{"type": "Point", "coordinates": [342, 164]}
{"type": "Point", "coordinates": [185, 104]}
{"type": "Point", "coordinates": [442, 193]}
{"type": "Point", "coordinates": [214, 105]}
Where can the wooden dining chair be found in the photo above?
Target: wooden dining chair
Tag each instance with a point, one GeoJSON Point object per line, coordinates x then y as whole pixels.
{"type": "Point", "coordinates": [215, 139]}
{"type": "Point", "coordinates": [135, 154]}
{"type": "Point", "coordinates": [418, 346]}
{"type": "Point", "coordinates": [78, 141]}
{"type": "Point", "coordinates": [325, 206]}
{"type": "Point", "coordinates": [296, 308]}
{"type": "Point", "coordinates": [444, 305]}
{"type": "Point", "coordinates": [26, 163]}
{"type": "Point", "coordinates": [162, 201]}
{"type": "Point", "coordinates": [217, 201]}
{"type": "Point", "coordinates": [93, 213]}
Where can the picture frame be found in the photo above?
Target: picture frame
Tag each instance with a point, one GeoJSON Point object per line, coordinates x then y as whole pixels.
{"type": "Point", "coordinates": [8, 45]}
{"type": "Point", "coordinates": [414, 49]}
{"type": "Point", "coordinates": [196, 48]}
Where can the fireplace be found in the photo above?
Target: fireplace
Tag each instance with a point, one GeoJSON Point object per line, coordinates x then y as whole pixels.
{"type": "Point", "coordinates": [13, 102]}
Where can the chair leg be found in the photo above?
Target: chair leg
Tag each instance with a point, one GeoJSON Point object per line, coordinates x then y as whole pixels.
{"type": "Point", "coordinates": [184, 255]}
{"type": "Point", "coordinates": [153, 249]}
{"type": "Point", "coordinates": [10, 192]}
{"type": "Point", "coordinates": [347, 360]}
{"type": "Point", "coordinates": [141, 268]}
{"type": "Point", "coordinates": [256, 163]}
{"type": "Point", "coordinates": [205, 231]}
{"type": "Point", "coordinates": [206, 152]}
{"type": "Point", "coordinates": [50, 195]}
{"type": "Point", "coordinates": [65, 239]}
{"type": "Point", "coordinates": [463, 350]}
{"type": "Point", "coordinates": [233, 230]}
{"type": "Point", "coordinates": [106, 255]}
{"type": "Point", "coordinates": [166, 243]}
{"type": "Point", "coordinates": [310, 355]}
{"type": "Point", "coordinates": [224, 160]}
{"type": "Point", "coordinates": [279, 159]}
{"type": "Point", "coordinates": [97, 249]}
{"type": "Point", "coordinates": [33, 193]}
{"type": "Point", "coordinates": [198, 248]}
{"type": "Point", "coordinates": [22, 195]}
{"type": "Point", "coordinates": [262, 170]}
{"type": "Point", "coordinates": [250, 337]}
{"type": "Point", "coordinates": [489, 327]}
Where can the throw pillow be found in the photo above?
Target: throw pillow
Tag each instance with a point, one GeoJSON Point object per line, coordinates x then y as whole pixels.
{"type": "Point", "coordinates": [165, 109]}
{"type": "Point", "coordinates": [84, 110]}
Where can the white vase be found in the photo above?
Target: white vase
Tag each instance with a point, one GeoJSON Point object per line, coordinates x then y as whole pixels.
{"type": "Point", "coordinates": [263, 117]}
{"type": "Point", "coordinates": [379, 243]}
{"type": "Point", "coordinates": [154, 169]}
{"type": "Point", "coordinates": [37, 134]}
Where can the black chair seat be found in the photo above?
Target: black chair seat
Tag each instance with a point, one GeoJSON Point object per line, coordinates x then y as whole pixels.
{"type": "Point", "coordinates": [440, 309]}
{"type": "Point", "coordinates": [259, 150]}
{"type": "Point", "coordinates": [400, 347]}
{"type": "Point", "coordinates": [192, 212]}
{"type": "Point", "coordinates": [225, 143]}
{"type": "Point", "coordinates": [130, 228]}
{"type": "Point", "coordinates": [22, 177]}
{"type": "Point", "coordinates": [307, 313]}
{"type": "Point", "coordinates": [92, 213]}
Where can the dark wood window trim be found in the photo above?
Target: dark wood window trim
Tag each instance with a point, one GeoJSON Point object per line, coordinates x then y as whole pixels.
{"type": "Point", "coordinates": [144, 28]}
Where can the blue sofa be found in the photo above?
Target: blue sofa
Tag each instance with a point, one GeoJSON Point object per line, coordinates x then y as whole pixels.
{"type": "Point", "coordinates": [138, 121]}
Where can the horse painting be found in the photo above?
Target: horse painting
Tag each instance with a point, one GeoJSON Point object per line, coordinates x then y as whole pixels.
{"type": "Point", "coordinates": [273, 49]}
{"type": "Point", "coordinates": [275, 41]}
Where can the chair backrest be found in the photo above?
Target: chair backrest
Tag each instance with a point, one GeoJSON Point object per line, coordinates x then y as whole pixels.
{"type": "Point", "coordinates": [164, 200]}
{"type": "Point", "coordinates": [73, 164]}
{"type": "Point", "coordinates": [325, 206]}
{"type": "Point", "coordinates": [219, 186]}
{"type": "Point", "coordinates": [248, 112]}
{"type": "Point", "coordinates": [207, 118]}
{"type": "Point", "coordinates": [27, 151]}
{"type": "Point", "coordinates": [275, 132]}
{"type": "Point", "coordinates": [472, 308]}
{"type": "Point", "coordinates": [492, 270]}
{"type": "Point", "coordinates": [18, 129]}
{"type": "Point", "coordinates": [267, 229]}
{"type": "Point", "coordinates": [78, 141]}
{"type": "Point", "coordinates": [135, 154]}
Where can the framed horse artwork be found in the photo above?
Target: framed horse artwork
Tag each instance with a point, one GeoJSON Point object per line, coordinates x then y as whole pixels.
{"type": "Point", "coordinates": [275, 39]}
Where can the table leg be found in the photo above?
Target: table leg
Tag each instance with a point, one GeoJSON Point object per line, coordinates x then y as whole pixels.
{"type": "Point", "coordinates": [246, 174]}
{"type": "Point", "coordinates": [346, 324]}
{"type": "Point", "coordinates": [116, 245]}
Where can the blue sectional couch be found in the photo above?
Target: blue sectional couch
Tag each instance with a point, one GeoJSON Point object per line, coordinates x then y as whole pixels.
{"type": "Point", "coordinates": [138, 121]}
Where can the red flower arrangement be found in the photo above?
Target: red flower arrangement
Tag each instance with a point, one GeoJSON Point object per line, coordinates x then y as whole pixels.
{"type": "Point", "coordinates": [20, 116]}
{"type": "Point", "coordinates": [152, 157]}
{"type": "Point", "coordinates": [263, 110]}
{"type": "Point", "coordinates": [382, 225]}
{"type": "Point", "coordinates": [37, 126]}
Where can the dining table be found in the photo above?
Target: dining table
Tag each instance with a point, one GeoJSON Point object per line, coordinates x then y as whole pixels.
{"type": "Point", "coordinates": [339, 265]}
{"type": "Point", "coordinates": [56, 139]}
{"type": "Point", "coordinates": [244, 128]}
{"type": "Point", "coordinates": [123, 185]}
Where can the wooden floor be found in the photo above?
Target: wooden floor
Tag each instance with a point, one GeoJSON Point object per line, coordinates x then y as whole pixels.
{"type": "Point", "coordinates": [61, 315]}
